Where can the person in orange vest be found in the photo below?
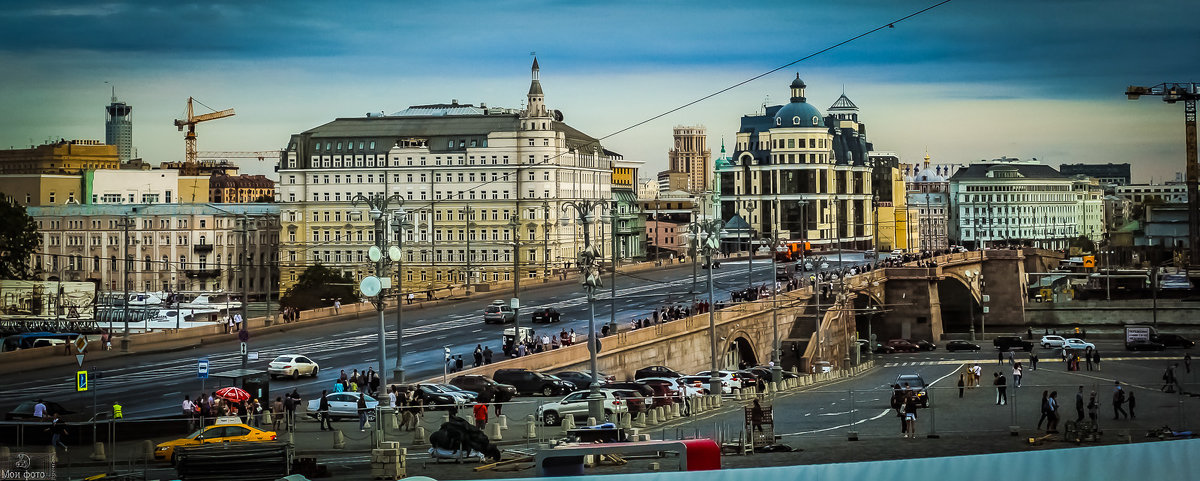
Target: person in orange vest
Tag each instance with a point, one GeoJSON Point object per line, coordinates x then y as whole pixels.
{"type": "Point", "coordinates": [481, 415]}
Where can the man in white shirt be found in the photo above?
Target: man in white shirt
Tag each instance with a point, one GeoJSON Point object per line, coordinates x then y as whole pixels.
{"type": "Point", "coordinates": [39, 410]}
{"type": "Point", "coordinates": [189, 411]}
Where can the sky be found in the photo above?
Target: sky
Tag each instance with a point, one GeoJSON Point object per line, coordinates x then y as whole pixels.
{"type": "Point", "coordinates": [965, 81]}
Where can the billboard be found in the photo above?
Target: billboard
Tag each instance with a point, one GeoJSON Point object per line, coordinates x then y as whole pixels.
{"type": "Point", "coordinates": [47, 300]}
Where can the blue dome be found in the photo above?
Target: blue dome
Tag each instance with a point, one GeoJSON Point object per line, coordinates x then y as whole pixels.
{"type": "Point", "coordinates": [799, 114]}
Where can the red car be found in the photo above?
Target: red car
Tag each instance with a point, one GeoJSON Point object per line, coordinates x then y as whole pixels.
{"type": "Point", "coordinates": [902, 345]}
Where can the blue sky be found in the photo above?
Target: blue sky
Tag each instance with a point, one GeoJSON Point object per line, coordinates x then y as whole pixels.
{"type": "Point", "coordinates": [968, 80]}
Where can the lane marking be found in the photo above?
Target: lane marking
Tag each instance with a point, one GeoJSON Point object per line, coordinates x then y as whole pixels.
{"type": "Point", "coordinates": [841, 426]}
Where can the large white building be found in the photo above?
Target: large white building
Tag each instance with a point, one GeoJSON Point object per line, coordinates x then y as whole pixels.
{"type": "Point", "coordinates": [462, 171]}
{"type": "Point", "coordinates": [1014, 202]}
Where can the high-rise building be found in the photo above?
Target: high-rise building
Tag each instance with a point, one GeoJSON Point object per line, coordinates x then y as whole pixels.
{"type": "Point", "coordinates": [118, 127]}
{"type": "Point", "coordinates": [691, 156]}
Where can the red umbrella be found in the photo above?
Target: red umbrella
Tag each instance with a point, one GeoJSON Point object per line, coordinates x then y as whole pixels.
{"type": "Point", "coordinates": [233, 394]}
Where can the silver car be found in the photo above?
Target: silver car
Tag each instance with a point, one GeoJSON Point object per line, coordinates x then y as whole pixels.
{"type": "Point", "coordinates": [293, 365]}
{"type": "Point", "coordinates": [343, 405]}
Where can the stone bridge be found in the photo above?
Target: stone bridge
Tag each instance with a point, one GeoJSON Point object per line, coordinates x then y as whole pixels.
{"type": "Point", "coordinates": [893, 302]}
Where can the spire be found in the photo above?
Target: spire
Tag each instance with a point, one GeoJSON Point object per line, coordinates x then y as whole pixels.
{"type": "Point", "coordinates": [535, 68]}
{"type": "Point", "coordinates": [722, 146]}
{"type": "Point", "coordinates": [926, 157]}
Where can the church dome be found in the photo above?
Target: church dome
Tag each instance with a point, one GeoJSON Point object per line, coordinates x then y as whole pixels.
{"type": "Point", "coordinates": [798, 84]}
{"type": "Point", "coordinates": [799, 114]}
{"type": "Point", "coordinates": [928, 175]}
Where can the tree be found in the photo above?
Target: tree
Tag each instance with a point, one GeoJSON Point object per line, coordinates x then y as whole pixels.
{"type": "Point", "coordinates": [319, 286]}
{"type": "Point", "coordinates": [1084, 244]}
{"type": "Point", "coordinates": [19, 240]}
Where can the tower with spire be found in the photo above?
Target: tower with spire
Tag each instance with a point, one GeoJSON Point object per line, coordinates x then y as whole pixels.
{"type": "Point", "coordinates": [536, 116]}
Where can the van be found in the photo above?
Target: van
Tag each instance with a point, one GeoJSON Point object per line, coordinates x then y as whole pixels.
{"type": "Point", "coordinates": [48, 342]}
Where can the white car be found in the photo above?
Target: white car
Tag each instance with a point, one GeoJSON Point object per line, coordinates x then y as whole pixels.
{"type": "Point", "coordinates": [293, 365]}
{"type": "Point", "coordinates": [1075, 343]}
{"type": "Point", "coordinates": [688, 389]}
{"type": "Point", "coordinates": [343, 405]}
{"type": "Point", "coordinates": [730, 377]}
{"type": "Point", "coordinates": [576, 405]}
{"type": "Point", "coordinates": [1050, 341]}
{"type": "Point", "coordinates": [702, 382]}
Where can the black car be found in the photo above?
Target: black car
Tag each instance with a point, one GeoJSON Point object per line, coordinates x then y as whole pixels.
{"type": "Point", "coordinates": [765, 372]}
{"type": "Point", "coordinates": [1175, 340]}
{"type": "Point", "coordinates": [545, 315]}
{"type": "Point", "coordinates": [1012, 343]}
{"type": "Point", "coordinates": [581, 380]}
{"type": "Point", "coordinates": [955, 346]}
{"type": "Point", "coordinates": [1144, 345]}
{"type": "Point", "coordinates": [916, 383]}
{"type": "Point", "coordinates": [643, 389]}
{"type": "Point", "coordinates": [24, 411]}
{"type": "Point", "coordinates": [923, 345]}
{"type": "Point", "coordinates": [533, 382]}
{"type": "Point", "coordinates": [485, 386]}
{"type": "Point", "coordinates": [656, 371]}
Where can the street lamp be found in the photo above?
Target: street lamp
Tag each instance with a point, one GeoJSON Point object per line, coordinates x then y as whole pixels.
{"type": "Point", "coordinates": [247, 227]}
{"type": "Point", "coordinates": [380, 254]}
{"type": "Point", "coordinates": [707, 237]}
{"type": "Point", "coordinates": [513, 224]}
{"type": "Point", "coordinates": [776, 368]}
{"type": "Point", "coordinates": [588, 261]}
{"type": "Point", "coordinates": [399, 223]}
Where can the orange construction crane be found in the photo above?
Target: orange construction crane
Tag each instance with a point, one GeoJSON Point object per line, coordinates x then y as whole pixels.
{"type": "Point", "coordinates": [189, 160]}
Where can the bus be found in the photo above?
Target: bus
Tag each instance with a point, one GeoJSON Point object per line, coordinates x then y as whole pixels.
{"type": "Point", "coordinates": [27, 340]}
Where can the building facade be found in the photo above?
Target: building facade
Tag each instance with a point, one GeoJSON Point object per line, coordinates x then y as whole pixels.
{"type": "Point", "coordinates": [801, 175]}
{"type": "Point", "coordinates": [691, 156]}
{"type": "Point", "coordinates": [1107, 174]}
{"type": "Point", "coordinates": [62, 157]}
{"type": "Point", "coordinates": [241, 189]}
{"type": "Point", "coordinates": [462, 172]}
{"type": "Point", "coordinates": [118, 127]}
{"type": "Point", "coordinates": [1154, 193]}
{"type": "Point", "coordinates": [105, 186]}
{"type": "Point", "coordinates": [168, 247]}
{"type": "Point", "coordinates": [928, 193]}
{"type": "Point", "coordinates": [629, 222]}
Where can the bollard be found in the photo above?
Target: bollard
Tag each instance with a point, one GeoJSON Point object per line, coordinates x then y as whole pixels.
{"type": "Point", "coordinates": [395, 421]}
{"type": "Point", "coordinates": [147, 450]}
{"type": "Point", "coordinates": [774, 387]}
{"type": "Point", "coordinates": [674, 410]}
{"type": "Point", "coordinates": [97, 452]}
{"type": "Point", "coordinates": [291, 438]}
{"type": "Point", "coordinates": [567, 424]}
{"type": "Point", "coordinates": [339, 440]}
{"type": "Point", "coordinates": [530, 427]}
{"type": "Point", "coordinates": [627, 420]}
{"type": "Point", "coordinates": [641, 420]}
{"type": "Point", "coordinates": [652, 416]}
{"type": "Point", "coordinates": [52, 454]}
{"type": "Point", "coordinates": [716, 400]}
{"type": "Point", "coordinates": [654, 466]}
{"type": "Point", "coordinates": [503, 420]}
{"type": "Point", "coordinates": [418, 436]}
{"type": "Point", "coordinates": [591, 421]}
{"type": "Point", "coordinates": [446, 417]}
{"type": "Point", "coordinates": [495, 431]}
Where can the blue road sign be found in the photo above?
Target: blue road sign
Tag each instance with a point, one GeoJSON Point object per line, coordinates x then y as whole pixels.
{"type": "Point", "coordinates": [202, 369]}
{"type": "Point", "coordinates": [81, 381]}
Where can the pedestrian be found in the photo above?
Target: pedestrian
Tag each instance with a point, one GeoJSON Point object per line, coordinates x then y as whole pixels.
{"type": "Point", "coordinates": [1119, 402]}
{"type": "Point", "coordinates": [1001, 384]}
{"type": "Point", "coordinates": [1096, 358]}
{"type": "Point", "coordinates": [1017, 372]}
{"type": "Point", "coordinates": [323, 412]}
{"type": "Point", "coordinates": [57, 430]}
{"type": "Point", "coordinates": [481, 415]}
{"type": "Point", "coordinates": [362, 412]}
{"type": "Point", "coordinates": [756, 417]}
{"type": "Point", "coordinates": [478, 355]}
{"type": "Point", "coordinates": [961, 382]}
{"type": "Point", "coordinates": [291, 411]}
{"type": "Point", "coordinates": [1168, 378]}
{"type": "Point", "coordinates": [337, 306]}
{"type": "Point", "coordinates": [1045, 408]}
{"type": "Point", "coordinates": [1187, 363]}
{"type": "Point", "coordinates": [458, 363]}
{"type": "Point", "coordinates": [1052, 403]}
{"type": "Point", "coordinates": [189, 412]}
{"type": "Point", "coordinates": [289, 407]}
{"type": "Point", "coordinates": [1033, 359]}
{"type": "Point", "coordinates": [1079, 405]}
{"type": "Point", "coordinates": [978, 372]}
{"type": "Point", "coordinates": [910, 414]}
{"type": "Point", "coordinates": [1087, 357]}
{"type": "Point", "coordinates": [276, 413]}
{"type": "Point", "coordinates": [1132, 402]}
{"type": "Point", "coordinates": [255, 412]}
{"type": "Point", "coordinates": [487, 354]}
{"type": "Point", "coordinates": [1093, 408]}
{"type": "Point", "coordinates": [393, 400]}
{"type": "Point", "coordinates": [1012, 360]}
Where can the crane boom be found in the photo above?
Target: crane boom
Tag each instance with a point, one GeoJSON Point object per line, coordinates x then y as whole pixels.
{"type": "Point", "coordinates": [189, 138]}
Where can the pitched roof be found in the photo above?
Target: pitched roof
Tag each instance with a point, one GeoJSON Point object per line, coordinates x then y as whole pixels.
{"type": "Point", "coordinates": [843, 103]}
{"type": "Point", "coordinates": [1007, 171]}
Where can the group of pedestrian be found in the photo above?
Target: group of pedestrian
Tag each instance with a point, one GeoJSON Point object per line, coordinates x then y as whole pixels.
{"type": "Point", "coordinates": [366, 381]}
{"type": "Point", "coordinates": [904, 401]}
{"type": "Point", "coordinates": [483, 355]}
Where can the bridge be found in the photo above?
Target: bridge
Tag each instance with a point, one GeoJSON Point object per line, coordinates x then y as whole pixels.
{"type": "Point", "coordinates": [889, 302]}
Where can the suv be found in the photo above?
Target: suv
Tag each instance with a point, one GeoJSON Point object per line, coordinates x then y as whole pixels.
{"type": "Point", "coordinates": [1009, 343]}
{"type": "Point", "coordinates": [576, 404]}
{"type": "Point", "coordinates": [1050, 340]}
{"type": "Point", "coordinates": [498, 312]}
{"type": "Point", "coordinates": [532, 382]}
{"type": "Point", "coordinates": [485, 386]}
{"type": "Point", "coordinates": [916, 384]}
{"type": "Point", "coordinates": [1174, 340]}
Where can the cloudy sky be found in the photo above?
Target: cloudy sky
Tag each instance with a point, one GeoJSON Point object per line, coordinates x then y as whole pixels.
{"type": "Point", "coordinates": [967, 80]}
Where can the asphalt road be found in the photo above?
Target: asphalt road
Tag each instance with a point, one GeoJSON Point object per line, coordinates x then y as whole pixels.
{"type": "Point", "coordinates": [154, 384]}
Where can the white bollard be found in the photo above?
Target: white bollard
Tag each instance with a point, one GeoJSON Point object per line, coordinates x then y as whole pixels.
{"type": "Point", "coordinates": [774, 387]}
{"type": "Point", "coordinates": [640, 421]}
{"type": "Point", "coordinates": [97, 452]}
{"type": "Point", "coordinates": [418, 436]}
{"type": "Point", "coordinates": [494, 433]}
{"type": "Point", "coordinates": [626, 420]}
{"type": "Point", "coordinates": [339, 439]}
{"type": "Point", "coordinates": [674, 410]}
{"type": "Point", "coordinates": [503, 421]}
{"type": "Point", "coordinates": [652, 416]}
{"type": "Point", "coordinates": [530, 427]}
{"type": "Point", "coordinates": [568, 423]}
{"type": "Point", "coordinates": [395, 420]}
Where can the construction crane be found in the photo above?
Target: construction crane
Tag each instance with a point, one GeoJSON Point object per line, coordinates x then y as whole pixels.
{"type": "Point", "coordinates": [189, 160]}
{"type": "Point", "coordinates": [1188, 93]}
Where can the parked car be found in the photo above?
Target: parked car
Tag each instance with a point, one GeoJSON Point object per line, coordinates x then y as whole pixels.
{"type": "Point", "coordinates": [923, 344]}
{"type": "Point", "coordinates": [1048, 341]}
{"type": "Point", "coordinates": [634, 401]}
{"type": "Point", "coordinates": [24, 411]}
{"type": "Point", "coordinates": [666, 392]}
{"type": "Point", "coordinates": [644, 390]}
{"type": "Point", "coordinates": [656, 371]}
{"type": "Point", "coordinates": [498, 312]}
{"type": "Point", "coordinates": [467, 396]}
{"type": "Point", "coordinates": [1175, 340]}
{"type": "Point", "coordinates": [1076, 343]}
{"type": "Point", "coordinates": [703, 382]}
{"type": "Point", "coordinates": [485, 386]}
{"type": "Point", "coordinates": [533, 382]}
{"type": "Point", "coordinates": [902, 345]}
{"type": "Point", "coordinates": [915, 383]}
{"type": "Point", "coordinates": [677, 384]}
{"type": "Point", "coordinates": [441, 396]}
{"type": "Point", "coordinates": [957, 345]}
{"type": "Point", "coordinates": [581, 380]}
{"type": "Point", "coordinates": [1144, 345]}
{"type": "Point", "coordinates": [293, 365]}
{"type": "Point", "coordinates": [545, 315]}
{"type": "Point", "coordinates": [343, 405]}
{"type": "Point", "coordinates": [220, 433]}
{"type": "Point", "coordinates": [730, 377]}
{"type": "Point", "coordinates": [576, 405]}
{"type": "Point", "coordinates": [765, 372]}
{"type": "Point", "coordinates": [1010, 343]}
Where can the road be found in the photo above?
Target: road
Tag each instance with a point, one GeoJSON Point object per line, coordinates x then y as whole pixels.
{"type": "Point", "coordinates": [154, 384]}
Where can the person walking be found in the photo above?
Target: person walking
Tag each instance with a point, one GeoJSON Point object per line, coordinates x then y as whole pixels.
{"type": "Point", "coordinates": [478, 355]}
{"type": "Point", "coordinates": [1017, 372]}
{"type": "Point", "coordinates": [1052, 402]}
{"type": "Point", "coordinates": [910, 414]}
{"type": "Point", "coordinates": [1187, 363]}
{"type": "Point", "coordinates": [1045, 408]}
{"type": "Point", "coordinates": [502, 396]}
{"type": "Point", "coordinates": [291, 411]}
{"type": "Point", "coordinates": [1119, 402]}
{"type": "Point", "coordinates": [1033, 359]}
{"type": "Point", "coordinates": [256, 412]}
{"type": "Point", "coordinates": [481, 415]}
{"type": "Point", "coordinates": [1096, 358]}
{"type": "Point", "coordinates": [1001, 383]}
{"type": "Point", "coordinates": [999, 357]}
{"type": "Point", "coordinates": [1079, 405]}
{"type": "Point", "coordinates": [961, 383]}
{"type": "Point", "coordinates": [58, 430]}
{"type": "Point", "coordinates": [362, 412]}
{"type": "Point", "coordinates": [756, 417]}
{"type": "Point", "coordinates": [289, 406]}
{"type": "Point", "coordinates": [458, 363]}
{"type": "Point", "coordinates": [1168, 378]}
{"type": "Point", "coordinates": [276, 413]}
{"type": "Point", "coordinates": [189, 412]}
{"type": "Point", "coordinates": [1087, 356]}
{"type": "Point", "coordinates": [487, 355]}
{"type": "Point", "coordinates": [323, 413]}
{"type": "Point", "coordinates": [1132, 402]}
{"type": "Point", "coordinates": [1093, 408]}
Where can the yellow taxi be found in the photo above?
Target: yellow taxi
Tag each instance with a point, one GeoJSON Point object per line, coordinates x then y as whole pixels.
{"type": "Point", "coordinates": [219, 433]}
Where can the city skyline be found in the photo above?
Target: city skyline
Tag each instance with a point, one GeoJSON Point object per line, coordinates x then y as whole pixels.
{"type": "Point", "coordinates": [967, 81]}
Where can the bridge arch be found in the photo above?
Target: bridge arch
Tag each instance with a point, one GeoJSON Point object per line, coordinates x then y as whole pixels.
{"type": "Point", "coordinates": [959, 303]}
{"type": "Point", "coordinates": [739, 350]}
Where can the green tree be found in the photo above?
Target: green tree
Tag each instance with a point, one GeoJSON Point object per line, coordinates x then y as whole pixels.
{"type": "Point", "coordinates": [319, 286]}
{"type": "Point", "coordinates": [19, 240]}
{"type": "Point", "coordinates": [1084, 244]}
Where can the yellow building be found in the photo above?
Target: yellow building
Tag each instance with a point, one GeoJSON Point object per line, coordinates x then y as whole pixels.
{"type": "Point", "coordinates": [106, 186]}
{"type": "Point", "coordinates": [241, 189]}
{"type": "Point", "coordinates": [64, 156]}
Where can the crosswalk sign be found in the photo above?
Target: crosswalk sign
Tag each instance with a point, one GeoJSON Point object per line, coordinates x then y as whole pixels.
{"type": "Point", "coordinates": [81, 381]}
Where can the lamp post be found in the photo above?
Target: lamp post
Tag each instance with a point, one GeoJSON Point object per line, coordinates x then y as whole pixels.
{"type": "Point", "coordinates": [125, 224]}
{"type": "Point", "coordinates": [379, 212]}
{"type": "Point", "coordinates": [546, 241]}
{"type": "Point", "coordinates": [587, 261]}
{"type": "Point", "coordinates": [245, 229]}
{"type": "Point", "coordinates": [469, 214]}
{"type": "Point", "coordinates": [399, 223]}
{"type": "Point", "coordinates": [514, 223]}
{"type": "Point", "coordinates": [707, 237]}
{"type": "Point", "coordinates": [750, 239]}
{"type": "Point", "coordinates": [776, 367]}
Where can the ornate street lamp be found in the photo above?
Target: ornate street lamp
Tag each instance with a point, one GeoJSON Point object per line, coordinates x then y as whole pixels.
{"type": "Point", "coordinates": [588, 261]}
{"type": "Point", "coordinates": [377, 286]}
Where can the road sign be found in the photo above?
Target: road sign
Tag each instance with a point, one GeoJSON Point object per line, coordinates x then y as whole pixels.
{"type": "Point", "coordinates": [80, 344]}
{"type": "Point", "coordinates": [253, 356]}
{"type": "Point", "coordinates": [243, 335]}
{"type": "Point", "coordinates": [79, 359]}
{"type": "Point", "coordinates": [447, 349]}
{"type": "Point", "coordinates": [81, 381]}
{"type": "Point", "coordinates": [243, 348]}
{"type": "Point", "coordinates": [202, 369]}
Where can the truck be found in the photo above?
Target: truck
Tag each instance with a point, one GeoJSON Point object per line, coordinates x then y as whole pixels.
{"type": "Point", "coordinates": [785, 271]}
{"type": "Point", "coordinates": [1137, 333]}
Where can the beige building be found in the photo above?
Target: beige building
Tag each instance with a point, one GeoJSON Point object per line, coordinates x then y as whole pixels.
{"type": "Point", "coordinates": [241, 189]}
{"type": "Point", "coordinates": [62, 157]}
{"type": "Point", "coordinates": [691, 156]}
{"type": "Point", "coordinates": [105, 186]}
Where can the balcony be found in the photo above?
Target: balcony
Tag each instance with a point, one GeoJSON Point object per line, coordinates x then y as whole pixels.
{"type": "Point", "coordinates": [202, 273]}
{"type": "Point", "coordinates": [202, 248]}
